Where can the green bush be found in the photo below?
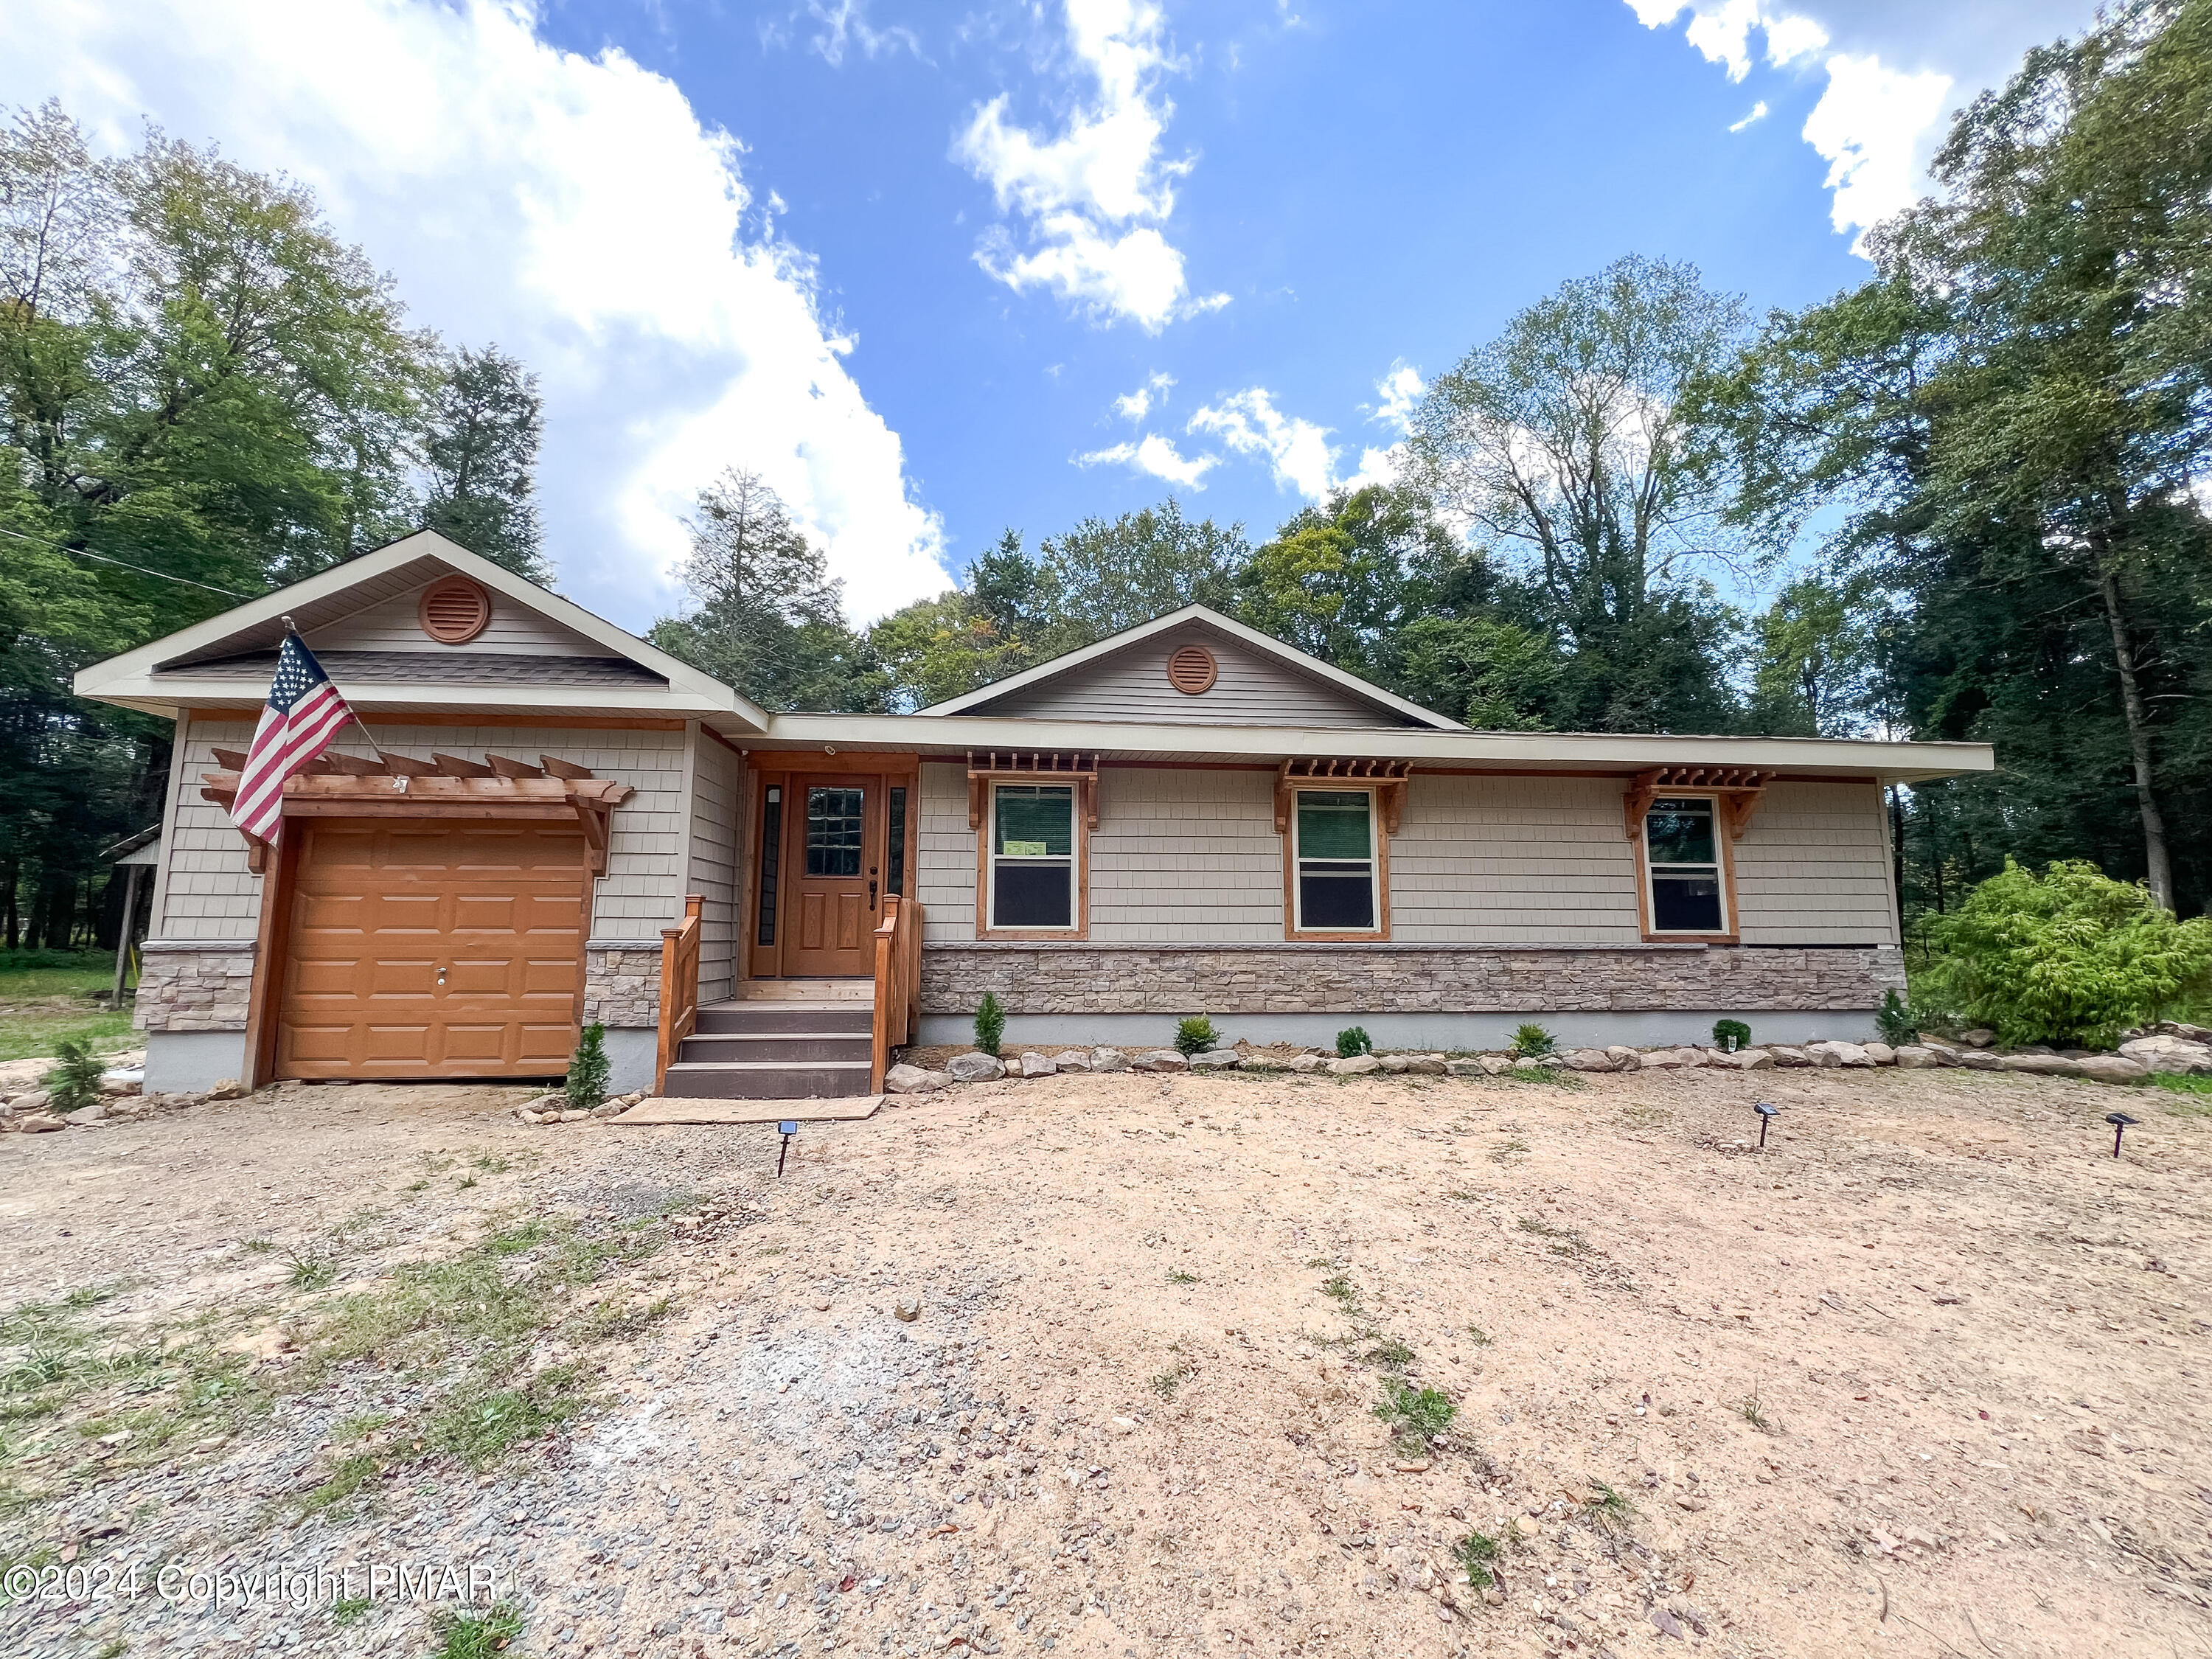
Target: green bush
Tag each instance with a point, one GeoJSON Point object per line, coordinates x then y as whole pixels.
{"type": "Point", "coordinates": [588, 1071]}
{"type": "Point", "coordinates": [2068, 958]}
{"type": "Point", "coordinates": [1530, 1041]}
{"type": "Point", "coordinates": [1898, 1024]}
{"type": "Point", "coordinates": [1731, 1036]}
{"type": "Point", "coordinates": [990, 1025]}
{"type": "Point", "coordinates": [1196, 1034]}
{"type": "Point", "coordinates": [1353, 1040]}
{"type": "Point", "coordinates": [74, 1082]}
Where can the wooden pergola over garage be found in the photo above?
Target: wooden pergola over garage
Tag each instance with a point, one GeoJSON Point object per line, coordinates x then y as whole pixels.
{"type": "Point", "coordinates": [424, 919]}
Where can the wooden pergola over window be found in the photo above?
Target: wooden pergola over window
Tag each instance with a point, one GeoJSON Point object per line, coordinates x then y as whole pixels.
{"type": "Point", "coordinates": [1739, 790]}
{"type": "Point", "coordinates": [1387, 777]}
{"type": "Point", "coordinates": [445, 785]}
{"type": "Point", "coordinates": [989, 766]}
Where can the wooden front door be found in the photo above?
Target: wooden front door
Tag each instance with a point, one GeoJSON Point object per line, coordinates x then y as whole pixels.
{"type": "Point", "coordinates": [836, 876]}
{"type": "Point", "coordinates": [420, 949]}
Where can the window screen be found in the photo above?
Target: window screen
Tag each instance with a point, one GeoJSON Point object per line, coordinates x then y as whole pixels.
{"type": "Point", "coordinates": [1684, 858]}
{"type": "Point", "coordinates": [1033, 855]}
{"type": "Point", "coordinates": [1336, 861]}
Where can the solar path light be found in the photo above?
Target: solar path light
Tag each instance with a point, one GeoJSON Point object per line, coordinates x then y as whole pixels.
{"type": "Point", "coordinates": [788, 1128]}
{"type": "Point", "coordinates": [2119, 1121]}
{"type": "Point", "coordinates": [1767, 1113]}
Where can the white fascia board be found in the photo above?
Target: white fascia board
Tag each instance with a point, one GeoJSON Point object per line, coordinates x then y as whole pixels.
{"type": "Point", "coordinates": [127, 679]}
{"type": "Point", "coordinates": [1535, 752]}
{"type": "Point", "coordinates": [1366, 690]}
{"type": "Point", "coordinates": [175, 692]}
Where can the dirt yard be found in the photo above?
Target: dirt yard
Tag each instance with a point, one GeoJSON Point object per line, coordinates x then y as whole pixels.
{"type": "Point", "coordinates": [1923, 1377]}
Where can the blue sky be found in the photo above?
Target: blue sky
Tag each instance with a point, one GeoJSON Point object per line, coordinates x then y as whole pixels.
{"type": "Point", "coordinates": [936, 271]}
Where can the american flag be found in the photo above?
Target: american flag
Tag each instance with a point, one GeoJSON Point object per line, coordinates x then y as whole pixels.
{"type": "Point", "coordinates": [305, 712]}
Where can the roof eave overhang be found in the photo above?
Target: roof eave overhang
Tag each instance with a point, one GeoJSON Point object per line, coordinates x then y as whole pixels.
{"type": "Point", "coordinates": [171, 694]}
{"type": "Point", "coordinates": [1508, 751]}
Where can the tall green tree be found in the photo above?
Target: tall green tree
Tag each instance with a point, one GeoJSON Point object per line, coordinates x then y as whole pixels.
{"type": "Point", "coordinates": [1565, 443]}
{"type": "Point", "coordinates": [1106, 575]}
{"type": "Point", "coordinates": [2015, 415]}
{"type": "Point", "coordinates": [1332, 581]}
{"type": "Point", "coordinates": [1815, 660]}
{"type": "Point", "coordinates": [480, 451]}
{"type": "Point", "coordinates": [769, 618]}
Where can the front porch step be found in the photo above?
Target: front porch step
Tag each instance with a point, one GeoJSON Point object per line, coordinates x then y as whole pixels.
{"type": "Point", "coordinates": [766, 1079]}
{"type": "Point", "coordinates": [782, 1045]}
{"type": "Point", "coordinates": [842, 1018]}
{"type": "Point", "coordinates": [806, 990]}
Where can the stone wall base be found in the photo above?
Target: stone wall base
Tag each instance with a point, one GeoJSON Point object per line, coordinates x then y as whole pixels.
{"type": "Point", "coordinates": [1045, 978]}
{"type": "Point", "coordinates": [1444, 1033]}
{"type": "Point", "coordinates": [195, 985]}
{"type": "Point", "coordinates": [621, 983]}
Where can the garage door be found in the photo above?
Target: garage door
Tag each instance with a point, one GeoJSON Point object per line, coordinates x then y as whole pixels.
{"type": "Point", "coordinates": [427, 950]}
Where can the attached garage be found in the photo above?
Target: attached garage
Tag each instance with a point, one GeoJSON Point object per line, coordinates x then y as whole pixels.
{"type": "Point", "coordinates": [423, 949]}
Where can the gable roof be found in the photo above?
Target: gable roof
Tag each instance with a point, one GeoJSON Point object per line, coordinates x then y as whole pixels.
{"type": "Point", "coordinates": [221, 660]}
{"type": "Point", "coordinates": [1397, 710]}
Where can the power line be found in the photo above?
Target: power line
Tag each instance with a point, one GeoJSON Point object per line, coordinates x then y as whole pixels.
{"type": "Point", "coordinates": [82, 553]}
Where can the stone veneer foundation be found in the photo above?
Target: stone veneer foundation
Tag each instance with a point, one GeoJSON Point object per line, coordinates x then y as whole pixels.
{"type": "Point", "coordinates": [621, 983]}
{"type": "Point", "coordinates": [1059, 978]}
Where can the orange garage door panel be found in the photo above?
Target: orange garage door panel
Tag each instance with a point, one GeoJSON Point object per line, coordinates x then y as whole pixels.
{"type": "Point", "coordinates": [425, 949]}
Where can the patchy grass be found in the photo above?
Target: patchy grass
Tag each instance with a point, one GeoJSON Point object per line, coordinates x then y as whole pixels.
{"type": "Point", "coordinates": [1607, 1510]}
{"type": "Point", "coordinates": [1169, 1380]}
{"type": "Point", "coordinates": [481, 1424]}
{"type": "Point", "coordinates": [1478, 1554]}
{"type": "Point", "coordinates": [309, 1272]}
{"type": "Point", "coordinates": [1480, 1338]}
{"type": "Point", "coordinates": [1178, 1276]}
{"type": "Point", "coordinates": [34, 1034]}
{"type": "Point", "coordinates": [1415, 1416]}
{"type": "Point", "coordinates": [476, 1636]}
{"type": "Point", "coordinates": [25, 974]}
{"type": "Point", "coordinates": [1752, 1413]}
{"type": "Point", "coordinates": [1509, 1149]}
{"type": "Point", "coordinates": [2192, 1096]}
{"type": "Point", "coordinates": [1565, 1241]}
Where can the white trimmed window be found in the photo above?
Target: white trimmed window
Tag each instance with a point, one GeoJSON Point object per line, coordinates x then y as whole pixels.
{"type": "Point", "coordinates": [1032, 857]}
{"type": "Point", "coordinates": [1336, 889]}
{"type": "Point", "coordinates": [1682, 866]}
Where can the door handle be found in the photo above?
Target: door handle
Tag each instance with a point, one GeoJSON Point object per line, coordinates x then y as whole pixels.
{"type": "Point", "coordinates": [441, 973]}
{"type": "Point", "coordinates": [871, 898]}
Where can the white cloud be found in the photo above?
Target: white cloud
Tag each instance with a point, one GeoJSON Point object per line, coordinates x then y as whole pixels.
{"type": "Point", "coordinates": [1894, 72]}
{"type": "Point", "coordinates": [1869, 126]}
{"type": "Point", "coordinates": [1156, 455]}
{"type": "Point", "coordinates": [847, 22]}
{"type": "Point", "coordinates": [1296, 450]}
{"type": "Point", "coordinates": [1094, 196]}
{"type": "Point", "coordinates": [1135, 406]}
{"type": "Point", "coordinates": [574, 210]}
{"type": "Point", "coordinates": [1399, 391]}
{"type": "Point", "coordinates": [1758, 113]}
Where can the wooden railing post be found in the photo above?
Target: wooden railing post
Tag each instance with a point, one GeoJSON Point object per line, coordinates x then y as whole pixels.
{"type": "Point", "coordinates": [886, 992]}
{"type": "Point", "coordinates": [679, 987]}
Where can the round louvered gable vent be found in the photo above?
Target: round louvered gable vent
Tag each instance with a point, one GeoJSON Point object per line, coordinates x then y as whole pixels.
{"type": "Point", "coordinates": [1191, 669]}
{"type": "Point", "coordinates": [454, 611]}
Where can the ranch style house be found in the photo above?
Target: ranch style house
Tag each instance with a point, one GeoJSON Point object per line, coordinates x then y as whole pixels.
{"type": "Point", "coordinates": [557, 825]}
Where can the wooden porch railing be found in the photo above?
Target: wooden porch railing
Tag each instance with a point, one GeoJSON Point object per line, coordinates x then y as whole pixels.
{"type": "Point", "coordinates": [898, 983]}
{"type": "Point", "coordinates": [679, 987]}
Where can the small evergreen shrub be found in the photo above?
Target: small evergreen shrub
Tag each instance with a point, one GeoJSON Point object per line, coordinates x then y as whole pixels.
{"type": "Point", "coordinates": [1530, 1041]}
{"type": "Point", "coordinates": [990, 1025]}
{"type": "Point", "coordinates": [1731, 1036]}
{"type": "Point", "coordinates": [1898, 1024]}
{"type": "Point", "coordinates": [588, 1071]}
{"type": "Point", "coordinates": [1195, 1034]}
{"type": "Point", "coordinates": [74, 1084]}
{"type": "Point", "coordinates": [2070, 957]}
{"type": "Point", "coordinates": [1353, 1040]}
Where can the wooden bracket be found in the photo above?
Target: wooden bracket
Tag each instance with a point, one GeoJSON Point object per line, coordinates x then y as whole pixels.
{"type": "Point", "coordinates": [986, 767]}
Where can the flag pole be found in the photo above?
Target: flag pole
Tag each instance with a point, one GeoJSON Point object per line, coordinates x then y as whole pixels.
{"type": "Point", "coordinates": [350, 709]}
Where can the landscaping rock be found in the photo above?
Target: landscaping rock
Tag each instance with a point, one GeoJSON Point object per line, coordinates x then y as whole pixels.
{"type": "Point", "coordinates": [1879, 1052]}
{"type": "Point", "coordinates": [229, 1089]}
{"type": "Point", "coordinates": [975, 1067]}
{"type": "Point", "coordinates": [1108, 1059]}
{"type": "Point", "coordinates": [40, 1123]}
{"type": "Point", "coordinates": [2159, 1053]}
{"type": "Point", "coordinates": [1661, 1060]}
{"type": "Point", "coordinates": [1216, 1059]}
{"type": "Point", "coordinates": [2040, 1065]}
{"type": "Point", "coordinates": [1913, 1058]}
{"type": "Point", "coordinates": [1750, 1059]}
{"type": "Point", "coordinates": [1944, 1053]}
{"type": "Point", "coordinates": [30, 1100]}
{"type": "Point", "coordinates": [1587, 1060]}
{"type": "Point", "coordinates": [1785, 1056]}
{"type": "Point", "coordinates": [1038, 1066]}
{"type": "Point", "coordinates": [1979, 1060]}
{"type": "Point", "coordinates": [1494, 1065]}
{"type": "Point", "coordinates": [1625, 1060]}
{"type": "Point", "coordinates": [1978, 1038]}
{"type": "Point", "coordinates": [1306, 1063]}
{"type": "Point", "coordinates": [1395, 1065]}
{"type": "Point", "coordinates": [1427, 1065]}
{"type": "Point", "coordinates": [2112, 1068]}
{"type": "Point", "coordinates": [2190, 1033]}
{"type": "Point", "coordinates": [913, 1080]}
{"type": "Point", "coordinates": [1160, 1060]}
{"type": "Point", "coordinates": [1459, 1067]}
{"type": "Point", "coordinates": [906, 1309]}
{"type": "Point", "coordinates": [86, 1116]}
{"type": "Point", "coordinates": [125, 1081]}
{"type": "Point", "coordinates": [614, 1108]}
{"type": "Point", "coordinates": [1838, 1054]}
{"type": "Point", "coordinates": [1072, 1059]}
{"type": "Point", "coordinates": [1356, 1066]}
